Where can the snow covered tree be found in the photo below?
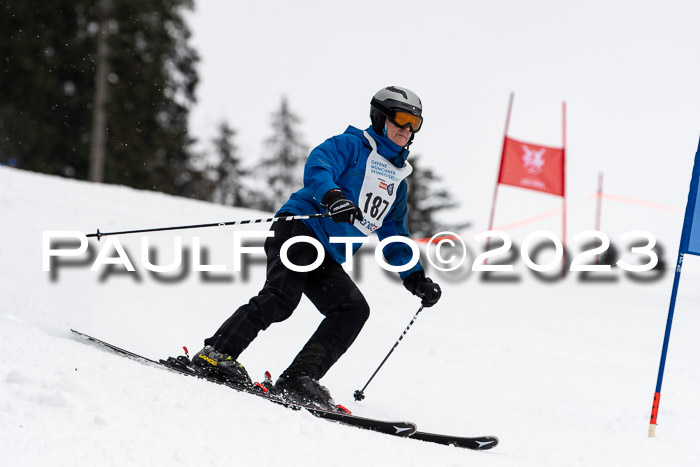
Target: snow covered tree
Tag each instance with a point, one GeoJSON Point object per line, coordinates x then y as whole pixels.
{"type": "Point", "coordinates": [425, 200]}
{"type": "Point", "coordinates": [281, 169]}
{"type": "Point", "coordinates": [227, 172]}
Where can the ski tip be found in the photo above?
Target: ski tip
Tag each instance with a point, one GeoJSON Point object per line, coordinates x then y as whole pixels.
{"type": "Point", "coordinates": [484, 443]}
{"type": "Point", "coordinates": [493, 444]}
{"type": "Point", "coordinates": [476, 443]}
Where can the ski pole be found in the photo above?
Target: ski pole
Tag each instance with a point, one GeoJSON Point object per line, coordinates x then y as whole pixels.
{"type": "Point", "coordinates": [99, 234]}
{"type": "Point", "coordinates": [360, 393]}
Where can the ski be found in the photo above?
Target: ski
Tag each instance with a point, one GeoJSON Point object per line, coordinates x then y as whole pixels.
{"type": "Point", "coordinates": [394, 428]}
{"type": "Point", "coordinates": [388, 427]}
{"type": "Point", "coordinates": [478, 443]}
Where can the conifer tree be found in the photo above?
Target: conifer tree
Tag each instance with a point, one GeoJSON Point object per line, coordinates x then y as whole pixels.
{"type": "Point", "coordinates": [427, 197]}
{"type": "Point", "coordinates": [48, 82]}
{"type": "Point", "coordinates": [281, 169]}
{"type": "Point", "coordinates": [229, 176]}
{"type": "Point", "coordinates": [45, 85]}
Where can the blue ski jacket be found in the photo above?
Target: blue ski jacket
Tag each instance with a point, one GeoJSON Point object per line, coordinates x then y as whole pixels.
{"type": "Point", "coordinates": [340, 162]}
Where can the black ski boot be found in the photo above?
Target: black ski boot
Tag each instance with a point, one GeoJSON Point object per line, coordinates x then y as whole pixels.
{"type": "Point", "coordinates": [299, 383]}
{"type": "Point", "coordinates": [305, 390]}
{"type": "Point", "coordinates": [211, 362]}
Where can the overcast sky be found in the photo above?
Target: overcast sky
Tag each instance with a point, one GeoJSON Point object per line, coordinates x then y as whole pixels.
{"type": "Point", "coordinates": [628, 70]}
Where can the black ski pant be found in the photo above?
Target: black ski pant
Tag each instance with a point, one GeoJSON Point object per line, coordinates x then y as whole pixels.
{"type": "Point", "coordinates": [328, 287]}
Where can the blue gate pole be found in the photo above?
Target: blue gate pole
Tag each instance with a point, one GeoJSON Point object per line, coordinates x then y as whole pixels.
{"type": "Point", "coordinates": [690, 243]}
{"type": "Point", "coordinates": [664, 349]}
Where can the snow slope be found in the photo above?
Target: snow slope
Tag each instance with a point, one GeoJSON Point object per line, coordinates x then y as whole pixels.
{"type": "Point", "coordinates": [563, 372]}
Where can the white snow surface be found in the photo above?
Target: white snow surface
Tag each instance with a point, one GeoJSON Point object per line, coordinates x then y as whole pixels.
{"type": "Point", "coordinates": [563, 372]}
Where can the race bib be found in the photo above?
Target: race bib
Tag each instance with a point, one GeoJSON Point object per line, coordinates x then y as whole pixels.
{"type": "Point", "coordinates": [379, 189]}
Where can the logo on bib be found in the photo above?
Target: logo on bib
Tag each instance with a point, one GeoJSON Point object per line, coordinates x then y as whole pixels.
{"type": "Point", "coordinates": [388, 187]}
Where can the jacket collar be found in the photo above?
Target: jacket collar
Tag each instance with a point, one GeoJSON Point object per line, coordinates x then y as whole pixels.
{"type": "Point", "coordinates": [385, 147]}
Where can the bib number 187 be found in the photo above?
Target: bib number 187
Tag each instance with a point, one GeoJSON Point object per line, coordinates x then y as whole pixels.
{"type": "Point", "coordinates": [375, 206]}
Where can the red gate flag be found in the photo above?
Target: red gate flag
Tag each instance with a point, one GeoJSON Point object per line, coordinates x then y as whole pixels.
{"type": "Point", "coordinates": [532, 166]}
{"type": "Point", "coordinates": [535, 167]}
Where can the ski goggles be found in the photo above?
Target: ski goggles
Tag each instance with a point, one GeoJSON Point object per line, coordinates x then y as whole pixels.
{"type": "Point", "coordinates": [404, 119]}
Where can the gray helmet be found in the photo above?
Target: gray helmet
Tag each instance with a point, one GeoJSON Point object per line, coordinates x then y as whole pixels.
{"type": "Point", "coordinates": [388, 101]}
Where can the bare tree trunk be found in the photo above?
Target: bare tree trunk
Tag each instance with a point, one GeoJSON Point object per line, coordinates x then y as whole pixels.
{"type": "Point", "coordinates": [98, 137]}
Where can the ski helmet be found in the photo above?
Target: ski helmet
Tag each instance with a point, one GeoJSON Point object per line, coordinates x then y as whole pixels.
{"type": "Point", "coordinates": [400, 105]}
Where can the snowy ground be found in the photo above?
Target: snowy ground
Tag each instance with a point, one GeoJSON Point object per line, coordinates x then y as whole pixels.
{"type": "Point", "coordinates": [562, 372]}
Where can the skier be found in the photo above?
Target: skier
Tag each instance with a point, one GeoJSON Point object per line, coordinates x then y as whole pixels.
{"type": "Point", "coordinates": [358, 178]}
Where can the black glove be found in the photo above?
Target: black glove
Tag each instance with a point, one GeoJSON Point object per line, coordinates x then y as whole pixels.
{"type": "Point", "coordinates": [422, 287]}
{"type": "Point", "coordinates": [340, 208]}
